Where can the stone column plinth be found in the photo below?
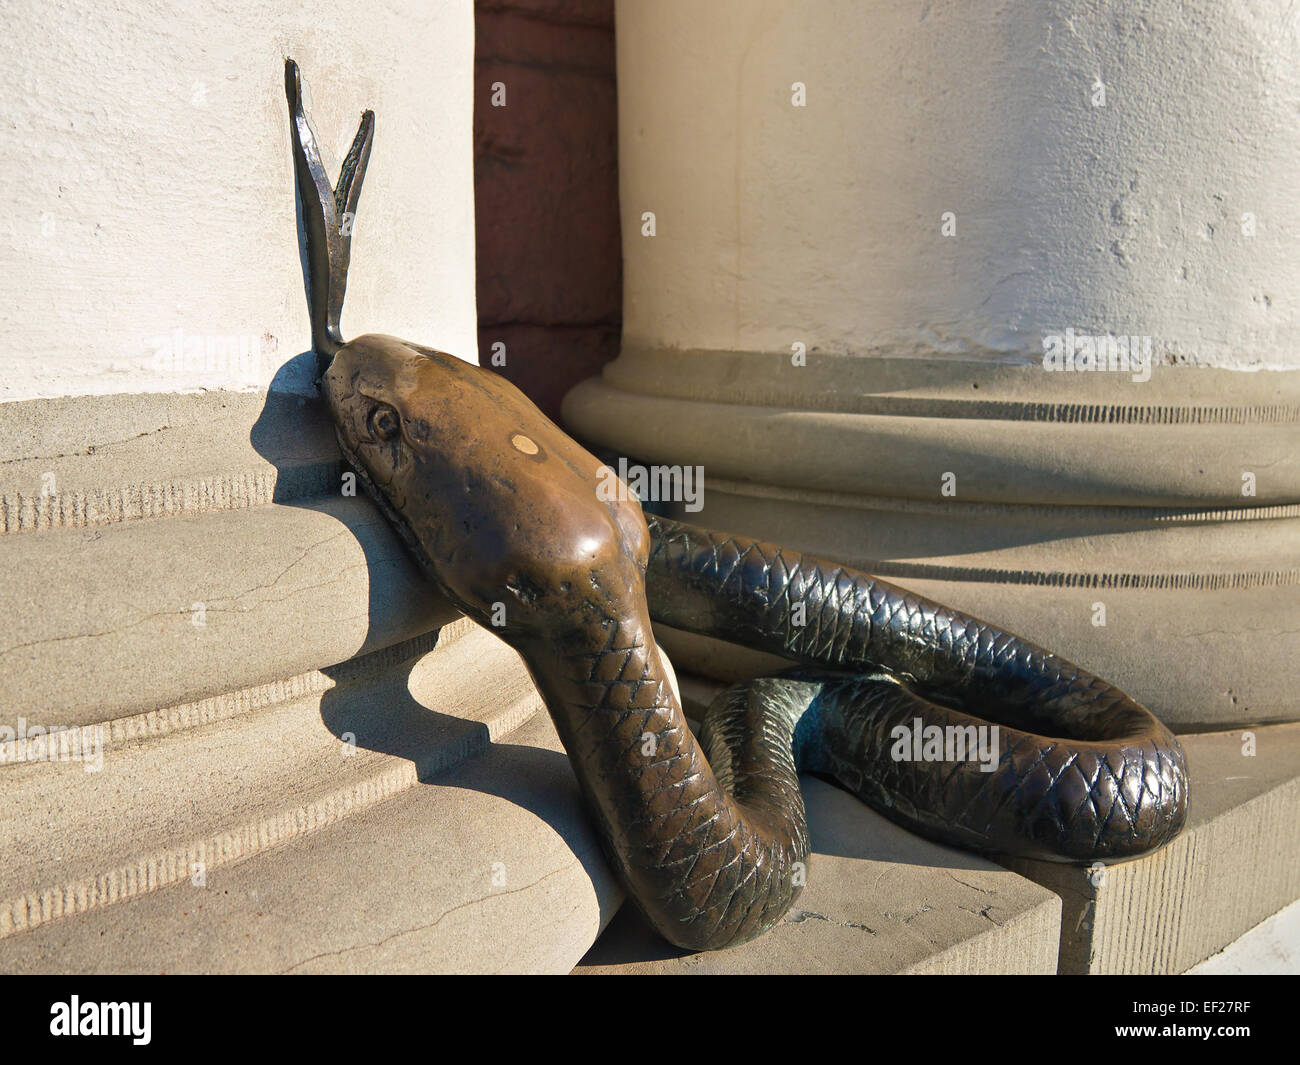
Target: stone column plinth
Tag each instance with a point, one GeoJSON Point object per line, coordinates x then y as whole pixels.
{"type": "Point", "coordinates": [996, 301]}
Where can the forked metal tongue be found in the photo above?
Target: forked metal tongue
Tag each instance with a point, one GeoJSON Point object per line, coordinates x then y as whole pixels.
{"type": "Point", "coordinates": [328, 212]}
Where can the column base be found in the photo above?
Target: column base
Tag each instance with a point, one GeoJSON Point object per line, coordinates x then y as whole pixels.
{"type": "Point", "coordinates": [1098, 517]}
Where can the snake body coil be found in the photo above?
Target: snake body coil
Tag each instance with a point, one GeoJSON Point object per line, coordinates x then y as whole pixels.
{"type": "Point", "coordinates": [502, 510]}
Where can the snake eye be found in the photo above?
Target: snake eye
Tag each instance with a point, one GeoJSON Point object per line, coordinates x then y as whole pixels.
{"type": "Point", "coordinates": [384, 424]}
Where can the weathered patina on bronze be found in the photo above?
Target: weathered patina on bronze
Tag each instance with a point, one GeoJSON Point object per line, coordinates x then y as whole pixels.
{"type": "Point", "coordinates": [502, 510]}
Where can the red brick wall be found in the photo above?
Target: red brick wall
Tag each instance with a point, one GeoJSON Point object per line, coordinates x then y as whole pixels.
{"type": "Point", "coordinates": [546, 191]}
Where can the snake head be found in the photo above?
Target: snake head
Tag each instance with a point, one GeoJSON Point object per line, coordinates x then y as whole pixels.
{"type": "Point", "coordinates": [500, 506]}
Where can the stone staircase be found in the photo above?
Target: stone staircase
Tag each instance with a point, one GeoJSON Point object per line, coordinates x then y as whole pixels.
{"type": "Point", "coordinates": [283, 752]}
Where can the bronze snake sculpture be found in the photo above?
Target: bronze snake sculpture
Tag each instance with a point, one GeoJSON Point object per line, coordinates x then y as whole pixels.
{"type": "Point", "coordinates": [501, 509]}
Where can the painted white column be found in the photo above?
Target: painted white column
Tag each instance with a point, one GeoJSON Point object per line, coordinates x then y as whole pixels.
{"type": "Point", "coordinates": [1123, 168]}
{"type": "Point", "coordinates": [852, 232]}
{"type": "Point", "coordinates": [149, 240]}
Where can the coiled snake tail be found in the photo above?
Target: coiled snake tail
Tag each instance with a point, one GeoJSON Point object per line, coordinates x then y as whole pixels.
{"type": "Point", "coordinates": [1080, 772]}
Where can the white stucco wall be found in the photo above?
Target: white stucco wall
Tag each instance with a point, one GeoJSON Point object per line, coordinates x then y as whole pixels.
{"type": "Point", "coordinates": [822, 223]}
{"type": "Point", "coordinates": [149, 197]}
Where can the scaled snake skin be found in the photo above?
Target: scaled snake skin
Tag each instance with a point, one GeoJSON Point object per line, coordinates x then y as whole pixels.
{"type": "Point", "coordinates": [709, 837]}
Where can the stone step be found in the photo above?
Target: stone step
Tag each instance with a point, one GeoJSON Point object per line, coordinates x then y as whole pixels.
{"type": "Point", "coordinates": [204, 590]}
{"type": "Point", "coordinates": [492, 867]}
{"type": "Point", "coordinates": [333, 771]}
{"type": "Point", "coordinates": [164, 611]}
{"type": "Point", "coordinates": [1236, 862]}
{"type": "Point", "coordinates": [878, 900]}
{"type": "Point", "coordinates": [88, 461]}
{"type": "Point", "coordinates": [143, 813]}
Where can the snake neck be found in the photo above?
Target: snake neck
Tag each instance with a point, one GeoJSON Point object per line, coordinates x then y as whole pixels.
{"type": "Point", "coordinates": [709, 867]}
